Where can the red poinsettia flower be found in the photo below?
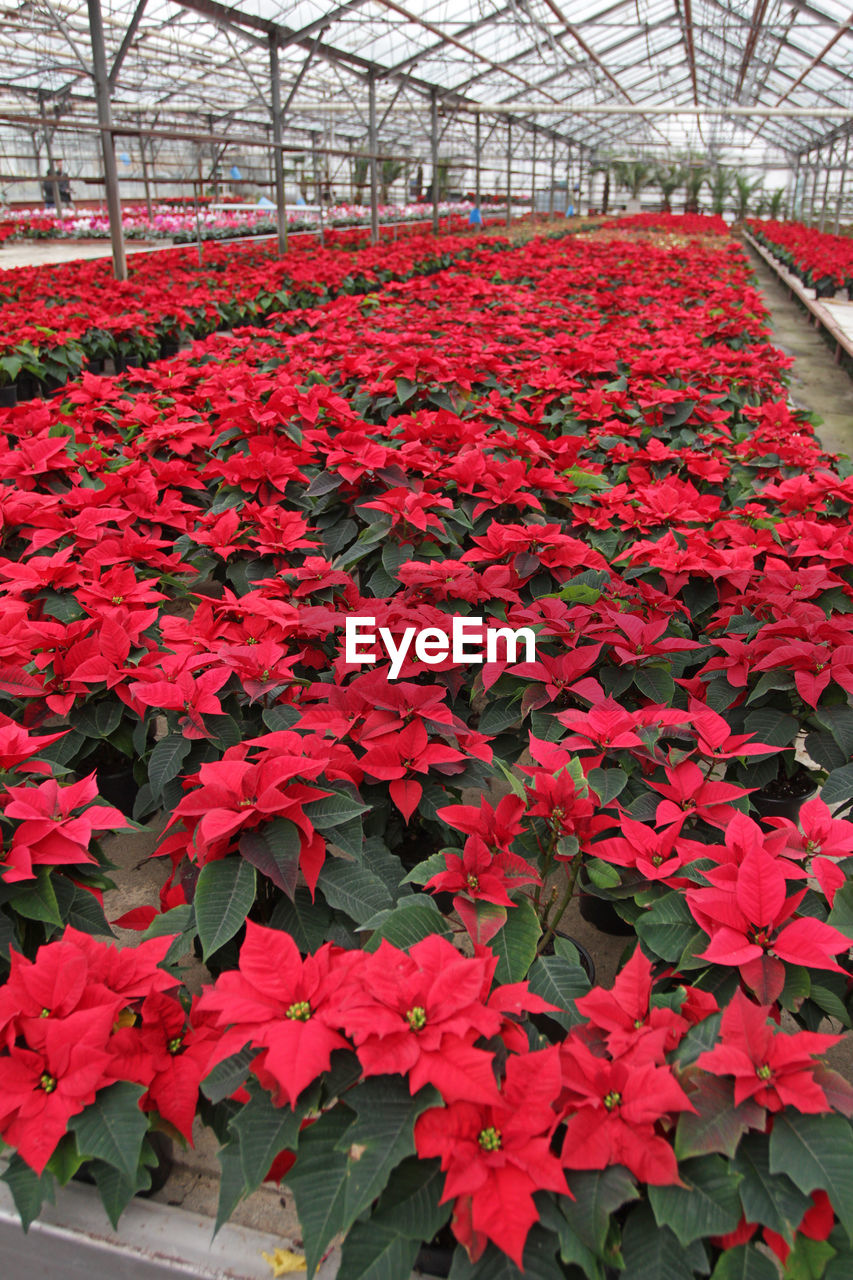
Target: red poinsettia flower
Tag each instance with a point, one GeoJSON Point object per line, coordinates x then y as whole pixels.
{"type": "Point", "coordinates": [420, 1015]}
{"type": "Point", "coordinates": [769, 1065]}
{"type": "Point", "coordinates": [496, 1154]}
{"type": "Point", "coordinates": [611, 1109]}
{"type": "Point", "coordinates": [41, 1089]}
{"type": "Point", "coordinates": [282, 1004]}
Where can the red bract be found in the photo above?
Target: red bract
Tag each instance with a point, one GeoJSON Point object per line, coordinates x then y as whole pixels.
{"type": "Point", "coordinates": [50, 831]}
{"type": "Point", "coordinates": [496, 1155]}
{"type": "Point", "coordinates": [420, 1015]}
{"type": "Point", "coordinates": [41, 1089]}
{"type": "Point", "coordinates": [288, 1008]}
{"type": "Point", "coordinates": [748, 916]}
{"type": "Point", "coordinates": [774, 1068]}
{"type": "Point", "coordinates": [613, 1109]}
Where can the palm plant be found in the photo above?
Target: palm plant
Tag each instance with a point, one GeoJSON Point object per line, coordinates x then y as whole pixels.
{"type": "Point", "coordinates": [669, 178]}
{"type": "Point", "coordinates": [721, 185]}
{"type": "Point", "coordinates": [745, 189]}
{"type": "Point", "coordinates": [776, 207]}
{"type": "Point", "coordinates": [633, 175]}
{"type": "Point", "coordinates": [697, 176]}
{"type": "Point", "coordinates": [603, 164]}
{"type": "Point", "coordinates": [389, 172]}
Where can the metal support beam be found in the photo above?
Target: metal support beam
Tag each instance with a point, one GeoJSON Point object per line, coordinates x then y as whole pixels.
{"type": "Point", "coordinates": [102, 96]}
{"type": "Point", "coordinates": [143, 143]}
{"type": "Point", "coordinates": [126, 42]}
{"type": "Point", "coordinates": [57, 199]}
{"type": "Point", "coordinates": [841, 186]}
{"type": "Point", "coordinates": [374, 176]}
{"type": "Point", "coordinates": [509, 172]}
{"type": "Point", "coordinates": [533, 176]}
{"type": "Point", "coordinates": [826, 189]}
{"type": "Point", "coordinates": [277, 137]}
{"type": "Point", "coordinates": [477, 162]}
{"type": "Point", "coordinates": [433, 120]}
{"type": "Point", "coordinates": [553, 179]}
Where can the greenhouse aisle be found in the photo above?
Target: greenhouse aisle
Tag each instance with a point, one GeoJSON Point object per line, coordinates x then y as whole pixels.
{"type": "Point", "coordinates": [818, 384]}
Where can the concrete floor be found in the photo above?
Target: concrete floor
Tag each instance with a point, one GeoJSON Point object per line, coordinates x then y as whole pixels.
{"type": "Point", "coordinates": [40, 253]}
{"type": "Point", "coordinates": [818, 384]}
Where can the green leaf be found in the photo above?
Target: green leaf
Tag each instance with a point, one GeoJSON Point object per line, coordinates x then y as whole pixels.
{"type": "Point", "coordinates": [406, 388]}
{"type": "Point", "coordinates": [318, 1182]}
{"type": "Point", "coordinates": [334, 810]}
{"type": "Point", "coordinates": [607, 783]}
{"type": "Point", "coordinates": [374, 1252]}
{"type": "Point", "coordinates": [838, 788]}
{"type": "Point", "coordinates": [112, 1128]}
{"type": "Point", "coordinates": [744, 1263]}
{"type": "Point", "coordinates": [540, 1261]}
{"type": "Point", "coordinates": [116, 1190]}
{"type": "Point", "coordinates": [305, 921]}
{"type": "Point", "coordinates": [87, 914]}
{"type": "Point", "coordinates": [651, 1252]}
{"type": "Point", "coordinates": [717, 1125]}
{"type": "Point", "coordinates": [560, 982]}
{"type": "Point", "coordinates": [768, 1198]}
{"type": "Point", "coordinates": [500, 715]}
{"type": "Point", "coordinates": [816, 1152]}
{"type": "Point", "coordinates": [228, 1076]}
{"type": "Point", "coordinates": [707, 1205]}
{"type": "Point", "coordinates": [223, 898]}
{"type": "Point", "coordinates": [66, 1160]}
{"type": "Point", "coordinates": [699, 1039]}
{"type": "Point", "coordinates": [423, 871]}
{"type": "Point", "coordinates": [277, 718]}
{"type": "Point", "coordinates": [232, 1182]}
{"type": "Point", "coordinates": [668, 929]}
{"type": "Point", "coordinates": [597, 1196]}
{"type": "Point", "coordinates": [353, 889]}
{"type": "Point", "coordinates": [808, 1258]}
{"type": "Point", "coordinates": [411, 920]}
{"type": "Point", "coordinates": [29, 1191]}
{"type": "Point", "coordinates": [841, 915]}
{"type": "Point", "coordinates": [603, 875]}
{"type": "Point", "coordinates": [38, 900]}
{"type": "Point", "coordinates": [274, 849]}
{"type": "Point", "coordinates": [515, 944]}
{"type": "Point", "coordinates": [165, 761]}
{"type": "Point", "coordinates": [410, 1204]}
{"type": "Point", "coordinates": [382, 1135]}
{"type": "Point", "coordinates": [263, 1130]}
{"type": "Point", "coordinates": [655, 683]}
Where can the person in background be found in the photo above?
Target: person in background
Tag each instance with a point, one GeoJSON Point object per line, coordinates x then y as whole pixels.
{"type": "Point", "coordinates": [57, 179]}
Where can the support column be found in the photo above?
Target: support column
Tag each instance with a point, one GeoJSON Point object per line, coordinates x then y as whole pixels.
{"type": "Point", "coordinates": [143, 143]}
{"type": "Point", "coordinates": [277, 139]}
{"type": "Point", "coordinates": [792, 203]}
{"type": "Point", "coordinates": [840, 200]}
{"type": "Point", "coordinates": [57, 201]}
{"type": "Point", "coordinates": [814, 189]}
{"type": "Point", "coordinates": [553, 178]}
{"type": "Point", "coordinates": [509, 171]}
{"type": "Point", "coordinates": [826, 188]}
{"type": "Point", "coordinates": [533, 177]}
{"type": "Point", "coordinates": [477, 160]}
{"type": "Point", "coordinates": [102, 95]}
{"type": "Point", "coordinates": [433, 114]}
{"type": "Point", "coordinates": [374, 177]}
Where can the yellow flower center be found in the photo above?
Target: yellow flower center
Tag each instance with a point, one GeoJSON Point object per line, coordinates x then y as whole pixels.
{"type": "Point", "coordinates": [300, 1011]}
{"type": "Point", "coordinates": [490, 1139]}
{"type": "Point", "coordinates": [416, 1018]}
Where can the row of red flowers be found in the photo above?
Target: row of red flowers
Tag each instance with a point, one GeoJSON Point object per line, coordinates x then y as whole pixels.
{"type": "Point", "coordinates": [180, 553]}
{"type": "Point", "coordinates": [823, 261]}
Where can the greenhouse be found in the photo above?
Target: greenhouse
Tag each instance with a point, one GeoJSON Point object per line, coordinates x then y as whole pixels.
{"type": "Point", "coordinates": [426, 643]}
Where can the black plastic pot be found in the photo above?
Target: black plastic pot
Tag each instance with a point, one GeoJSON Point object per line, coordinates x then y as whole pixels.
{"type": "Point", "coordinates": [8, 396]}
{"type": "Point", "coordinates": [119, 787]}
{"type": "Point", "coordinates": [95, 366]}
{"type": "Point", "coordinates": [168, 349]}
{"type": "Point", "coordinates": [825, 288]}
{"type": "Point", "coordinates": [435, 1256]}
{"type": "Point", "coordinates": [768, 805]}
{"type": "Point", "coordinates": [601, 913]}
